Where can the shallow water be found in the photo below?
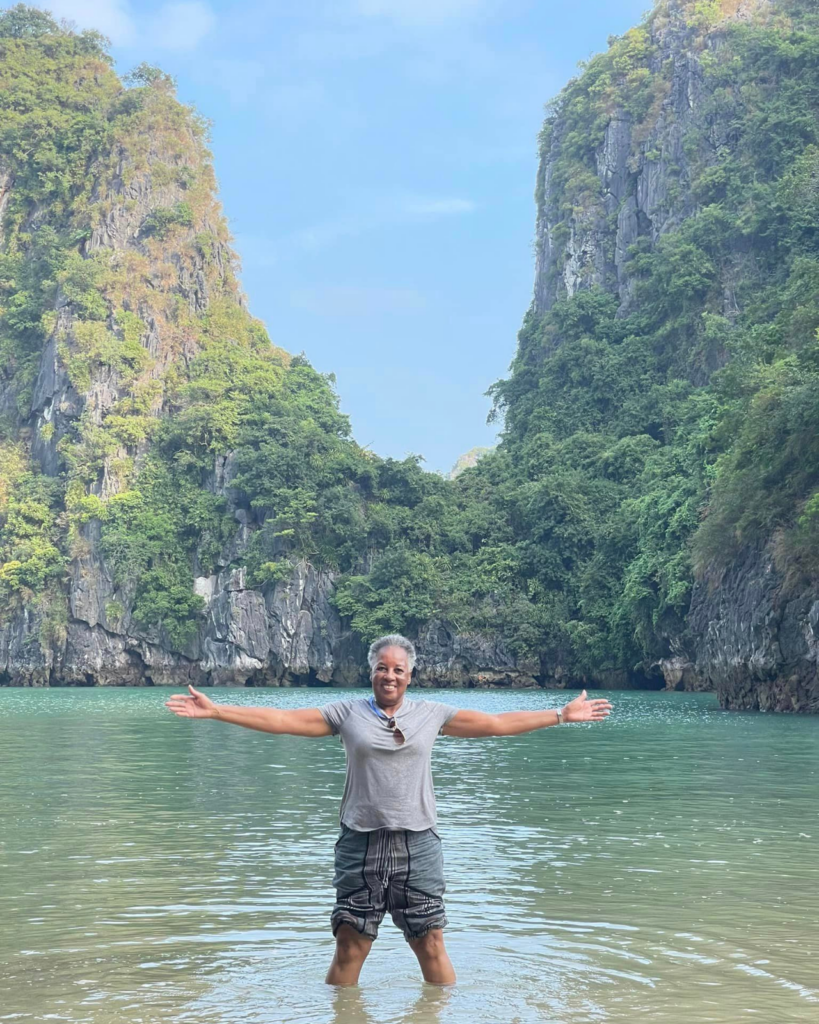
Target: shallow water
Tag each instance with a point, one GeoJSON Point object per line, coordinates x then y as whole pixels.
{"type": "Point", "coordinates": [659, 866]}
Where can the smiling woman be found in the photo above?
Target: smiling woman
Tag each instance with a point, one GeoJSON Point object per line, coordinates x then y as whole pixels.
{"type": "Point", "coordinates": [388, 856]}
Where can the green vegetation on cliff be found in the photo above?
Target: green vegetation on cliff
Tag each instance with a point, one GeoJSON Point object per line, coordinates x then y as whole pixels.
{"type": "Point", "coordinates": [115, 251]}
{"type": "Point", "coordinates": [647, 439]}
{"type": "Point", "coordinates": [643, 438]}
{"type": "Point", "coordinates": [644, 442]}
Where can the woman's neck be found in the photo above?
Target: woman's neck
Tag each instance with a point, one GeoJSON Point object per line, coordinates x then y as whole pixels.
{"type": "Point", "coordinates": [391, 709]}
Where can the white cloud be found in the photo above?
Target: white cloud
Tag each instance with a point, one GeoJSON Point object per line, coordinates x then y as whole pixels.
{"type": "Point", "coordinates": [111, 17]}
{"type": "Point", "coordinates": [182, 26]}
{"type": "Point", "coordinates": [419, 12]}
{"type": "Point", "coordinates": [381, 213]}
{"type": "Point", "coordinates": [439, 207]}
{"type": "Point", "coordinates": [354, 301]}
{"type": "Point", "coordinates": [175, 26]}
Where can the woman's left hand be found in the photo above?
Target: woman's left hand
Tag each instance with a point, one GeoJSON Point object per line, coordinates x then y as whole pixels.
{"type": "Point", "coordinates": [581, 709]}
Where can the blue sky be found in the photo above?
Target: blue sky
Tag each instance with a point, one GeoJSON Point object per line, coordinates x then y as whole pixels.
{"type": "Point", "coordinates": [377, 161]}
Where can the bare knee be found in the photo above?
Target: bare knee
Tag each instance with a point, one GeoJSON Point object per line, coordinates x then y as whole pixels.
{"type": "Point", "coordinates": [350, 945]}
{"type": "Point", "coordinates": [433, 958]}
{"type": "Point", "coordinates": [351, 952]}
{"type": "Point", "coordinates": [430, 946]}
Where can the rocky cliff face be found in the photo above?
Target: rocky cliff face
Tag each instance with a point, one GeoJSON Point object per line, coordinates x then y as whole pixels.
{"type": "Point", "coordinates": [643, 167]}
{"type": "Point", "coordinates": [758, 634]}
{"type": "Point", "coordinates": [139, 277]}
{"type": "Point", "coordinates": [751, 630]}
{"type": "Point", "coordinates": [99, 643]}
{"type": "Point", "coordinates": [120, 313]}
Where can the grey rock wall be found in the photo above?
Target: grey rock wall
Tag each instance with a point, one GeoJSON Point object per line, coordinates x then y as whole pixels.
{"type": "Point", "coordinates": [751, 634]}
{"type": "Point", "coordinates": [284, 635]}
{"type": "Point", "coordinates": [638, 173]}
{"type": "Point", "coordinates": [758, 634]}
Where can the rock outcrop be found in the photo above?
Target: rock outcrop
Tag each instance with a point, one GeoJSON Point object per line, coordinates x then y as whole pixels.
{"type": "Point", "coordinates": [751, 633]}
{"type": "Point", "coordinates": [289, 634]}
{"type": "Point", "coordinates": [149, 253]}
{"type": "Point", "coordinates": [758, 634]}
{"type": "Point", "coordinates": [643, 170]}
{"type": "Point", "coordinates": [153, 234]}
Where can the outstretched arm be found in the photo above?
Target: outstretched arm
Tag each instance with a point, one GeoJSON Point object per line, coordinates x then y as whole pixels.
{"type": "Point", "coordinates": [474, 724]}
{"type": "Point", "coordinates": [299, 722]}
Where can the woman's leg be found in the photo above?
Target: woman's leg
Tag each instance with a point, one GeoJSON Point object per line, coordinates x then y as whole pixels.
{"type": "Point", "coordinates": [433, 958]}
{"type": "Point", "coordinates": [351, 951]}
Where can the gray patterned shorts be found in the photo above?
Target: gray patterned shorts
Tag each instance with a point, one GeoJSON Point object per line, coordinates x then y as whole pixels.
{"type": "Point", "coordinates": [399, 871]}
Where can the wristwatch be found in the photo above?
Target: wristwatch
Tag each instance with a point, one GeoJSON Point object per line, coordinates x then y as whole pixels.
{"type": "Point", "coordinates": [560, 716]}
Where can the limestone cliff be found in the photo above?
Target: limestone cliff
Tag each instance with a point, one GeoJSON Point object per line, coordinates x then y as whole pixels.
{"type": "Point", "coordinates": [467, 461]}
{"type": "Point", "coordinates": [667, 134]}
{"type": "Point", "coordinates": [132, 374]}
{"type": "Point", "coordinates": [181, 500]}
{"type": "Point", "coordinates": [644, 158]}
{"type": "Point", "coordinates": [758, 634]}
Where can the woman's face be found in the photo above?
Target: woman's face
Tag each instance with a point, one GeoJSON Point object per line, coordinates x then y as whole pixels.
{"type": "Point", "coordinates": [391, 676]}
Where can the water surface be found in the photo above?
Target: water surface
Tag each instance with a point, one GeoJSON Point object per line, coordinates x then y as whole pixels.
{"type": "Point", "coordinates": [659, 866]}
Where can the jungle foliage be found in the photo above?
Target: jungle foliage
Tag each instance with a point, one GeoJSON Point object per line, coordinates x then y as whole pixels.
{"type": "Point", "coordinates": [645, 447]}
{"type": "Point", "coordinates": [636, 449]}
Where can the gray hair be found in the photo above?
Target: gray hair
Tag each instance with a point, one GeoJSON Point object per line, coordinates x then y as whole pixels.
{"type": "Point", "coordinates": [393, 640]}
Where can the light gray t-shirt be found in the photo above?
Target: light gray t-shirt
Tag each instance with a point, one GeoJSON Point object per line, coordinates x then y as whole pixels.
{"type": "Point", "coordinates": [389, 785]}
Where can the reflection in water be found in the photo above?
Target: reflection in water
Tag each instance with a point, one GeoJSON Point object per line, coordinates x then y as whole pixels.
{"type": "Point", "coordinates": [155, 871]}
{"type": "Point", "coordinates": [350, 1006]}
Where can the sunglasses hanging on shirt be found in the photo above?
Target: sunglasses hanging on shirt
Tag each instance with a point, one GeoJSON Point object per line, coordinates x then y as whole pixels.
{"type": "Point", "coordinates": [398, 736]}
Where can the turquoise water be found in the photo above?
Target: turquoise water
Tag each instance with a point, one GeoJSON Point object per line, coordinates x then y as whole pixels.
{"type": "Point", "coordinates": [661, 865]}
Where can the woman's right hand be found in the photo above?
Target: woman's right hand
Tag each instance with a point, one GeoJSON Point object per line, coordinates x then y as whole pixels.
{"type": "Point", "coordinates": [197, 705]}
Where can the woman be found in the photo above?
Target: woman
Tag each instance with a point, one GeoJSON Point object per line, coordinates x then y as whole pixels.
{"type": "Point", "coordinates": [388, 855]}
